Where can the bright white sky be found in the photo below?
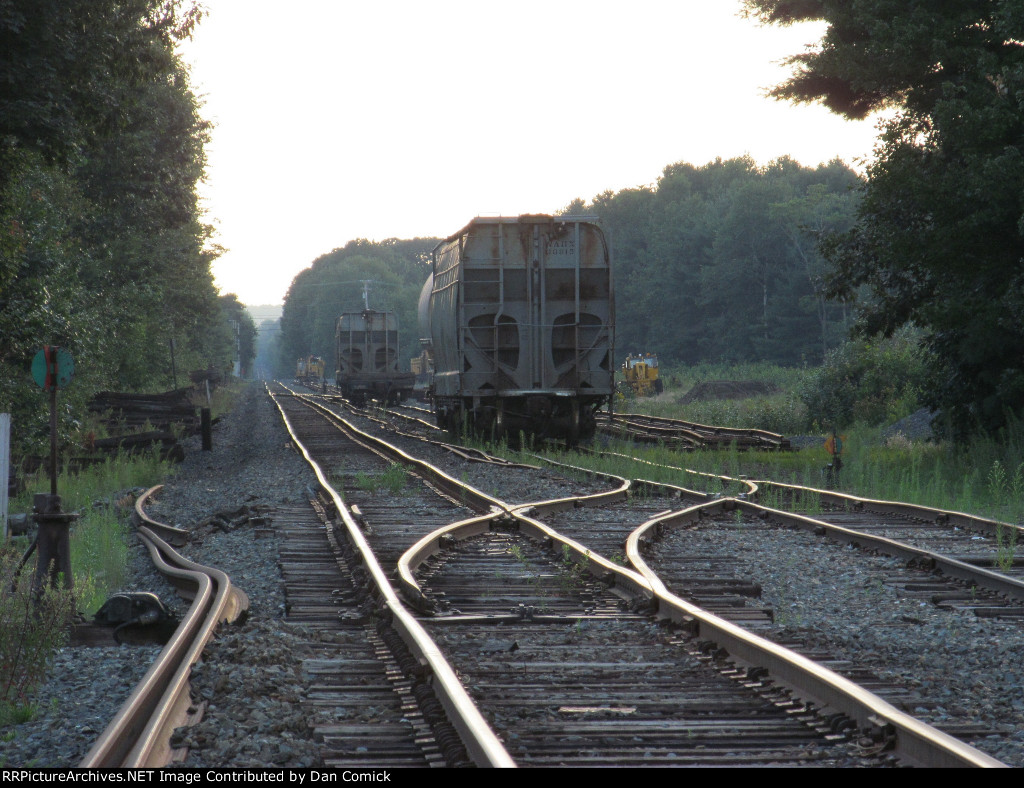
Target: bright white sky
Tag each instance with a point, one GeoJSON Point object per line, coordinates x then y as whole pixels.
{"type": "Point", "coordinates": [338, 119]}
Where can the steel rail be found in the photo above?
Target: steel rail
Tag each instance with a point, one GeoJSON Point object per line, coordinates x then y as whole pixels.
{"type": "Point", "coordinates": [940, 516]}
{"type": "Point", "coordinates": [952, 567]}
{"type": "Point", "coordinates": [913, 740]}
{"type": "Point", "coordinates": [435, 542]}
{"type": "Point", "coordinates": [139, 734]}
{"type": "Point", "coordinates": [482, 745]}
{"type": "Point", "coordinates": [169, 533]}
{"type": "Point", "coordinates": [432, 544]}
{"type": "Point", "coordinates": [365, 413]}
{"type": "Point", "coordinates": [729, 432]}
{"type": "Point", "coordinates": [752, 487]}
{"type": "Point", "coordinates": [676, 438]}
{"type": "Point", "coordinates": [986, 578]}
{"type": "Point", "coordinates": [467, 453]}
{"type": "Point", "coordinates": [521, 520]}
{"type": "Point", "coordinates": [470, 496]}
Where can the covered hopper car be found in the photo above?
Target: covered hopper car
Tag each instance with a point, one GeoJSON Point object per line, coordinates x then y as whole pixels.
{"type": "Point", "coordinates": [518, 316]}
{"type": "Point", "coordinates": [367, 345]}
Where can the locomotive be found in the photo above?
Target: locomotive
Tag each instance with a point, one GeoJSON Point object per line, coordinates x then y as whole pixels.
{"type": "Point", "coordinates": [310, 371]}
{"type": "Point", "coordinates": [423, 368]}
{"type": "Point", "coordinates": [518, 318]}
{"type": "Point", "coordinates": [367, 345]}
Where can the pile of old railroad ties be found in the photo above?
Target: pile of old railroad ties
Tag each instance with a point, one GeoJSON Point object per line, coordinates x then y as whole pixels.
{"type": "Point", "coordinates": [143, 422]}
{"type": "Point", "coordinates": [134, 423]}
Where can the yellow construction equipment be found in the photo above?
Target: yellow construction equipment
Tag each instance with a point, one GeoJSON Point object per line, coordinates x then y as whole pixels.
{"type": "Point", "coordinates": [640, 375]}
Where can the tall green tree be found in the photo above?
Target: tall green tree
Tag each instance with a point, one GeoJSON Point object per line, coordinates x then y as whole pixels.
{"type": "Point", "coordinates": [720, 262]}
{"type": "Point", "coordinates": [241, 330]}
{"type": "Point", "coordinates": [939, 238]}
{"type": "Point", "coordinates": [102, 249]}
{"type": "Point", "coordinates": [393, 271]}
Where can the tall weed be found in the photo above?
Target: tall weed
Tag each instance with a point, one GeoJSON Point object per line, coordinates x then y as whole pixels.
{"type": "Point", "coordinates": [104, 495]}
{"type": "Point", "coordinates": [31, 629]}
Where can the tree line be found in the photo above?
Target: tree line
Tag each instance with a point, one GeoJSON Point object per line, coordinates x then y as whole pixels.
{"type": "Point", "coordinates": [938, 240]}
{"type": "Point", "coordinates": [720, 262]}
{"type": "Point", "coordinates": [729, 261]}
{"type": "Point", "coordinates": [387, 276]}
{"type": "Point", "coordinates": [714, 262]}
{"type": "Point", "coordinates": [103, 250]}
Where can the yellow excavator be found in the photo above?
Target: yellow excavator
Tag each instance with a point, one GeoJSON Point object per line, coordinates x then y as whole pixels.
{"type": "Point", "coordinates": [640, 375]}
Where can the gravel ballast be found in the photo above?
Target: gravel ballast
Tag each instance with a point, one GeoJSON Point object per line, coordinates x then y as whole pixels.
{"type": "Point", "coordinates": [251, 681]}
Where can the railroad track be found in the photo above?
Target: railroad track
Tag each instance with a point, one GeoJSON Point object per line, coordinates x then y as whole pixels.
{"type": "Point", "coordinates": [978, 568]}
{"type": "Point", "coordinates": [571, 657]}
{"type": "Point", "coordinates": [432, 715]}
{"type": "Point", "coordinates": [729, 538]}
{"type": "Point", "coordinates": [139, 734]}
{"type": "Point", "coordinates": [516, 575]}
{"type": "Point", "coordinates": [978, 551]}
{"type": "Point", "coordinates": [356, 663]}
{"type": "Point", "coordinates": [686, 435]}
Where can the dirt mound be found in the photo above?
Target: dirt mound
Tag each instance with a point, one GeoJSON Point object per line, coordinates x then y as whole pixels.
{"type": "Point", "coordinates": [728, 389]}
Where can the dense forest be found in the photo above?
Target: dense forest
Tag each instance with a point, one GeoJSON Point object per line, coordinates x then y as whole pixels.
{"type": "Point", "coordinates": [720, 262]}
{"type": "Point", "coordinates": [713, 263]}
{"type": "Point", "coordinates": [938, 241]}
{"type": "Point", "coordinates": [103, 250]}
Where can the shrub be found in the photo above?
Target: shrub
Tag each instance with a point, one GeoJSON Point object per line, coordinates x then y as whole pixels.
{"type": "Point", "coordinates": [31, 630]}
{"type": "Point", "coordinates": [868, 382]}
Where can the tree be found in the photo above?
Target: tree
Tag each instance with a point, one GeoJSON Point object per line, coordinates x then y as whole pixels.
{"type": "Point", "coordinates": [102, 250]}
{"type": "Point", "coordinates": [242, 333]}
{"type": "Point", "coordinates": [333, 284]}
{"type": "Point", "coordinates": [939, 237]}
{"type": "Point", "coordinates": [718, 262]}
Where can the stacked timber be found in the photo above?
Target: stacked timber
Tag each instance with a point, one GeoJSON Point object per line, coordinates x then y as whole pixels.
{"type": "Point", "coordinates": [133, 422]}
{"type": "Point", "coordinates": [144, 421]}
{"type": "Point", "coordinates": [136, 411]}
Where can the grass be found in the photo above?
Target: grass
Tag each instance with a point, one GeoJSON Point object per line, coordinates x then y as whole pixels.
{"type": "Point", "coordinates": [32, 627]}
{"type": "Point", "coordinates": [984, 478]}
{"type": "Point", "coordinates": [102, 494]}
{"type": "Point", "coordinates": [393, 480]}
{"type": "Point", "coordinates": [781, 412]}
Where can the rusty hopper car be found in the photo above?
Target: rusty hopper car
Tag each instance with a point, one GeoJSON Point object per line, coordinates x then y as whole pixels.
{"type": "Point", "coordinates": [367, 345]}
{"type": "Point", "coordinates": [520, 316]}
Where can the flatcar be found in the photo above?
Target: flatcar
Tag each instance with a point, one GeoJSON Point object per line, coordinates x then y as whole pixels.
{"type": "Point", "coordinates": [518, 316]}
{"type": "Point", "coordinates": [367, 345]}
